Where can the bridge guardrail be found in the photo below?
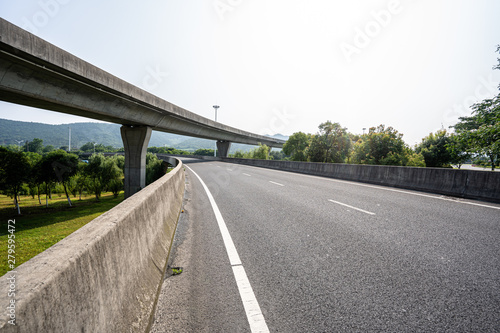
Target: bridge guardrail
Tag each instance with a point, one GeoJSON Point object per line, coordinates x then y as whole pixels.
{"type": "Point", "coordinates": [471, 184]}
{"type": "Point", "coordinates": [104, 277]}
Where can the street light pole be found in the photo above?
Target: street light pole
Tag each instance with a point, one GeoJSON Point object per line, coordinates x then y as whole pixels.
{"type": "Point", "coordinates": [215, 108]}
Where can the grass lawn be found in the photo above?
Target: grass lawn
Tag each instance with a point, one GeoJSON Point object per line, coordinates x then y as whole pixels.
{"type": "Point", "coordinates": [39, 227]}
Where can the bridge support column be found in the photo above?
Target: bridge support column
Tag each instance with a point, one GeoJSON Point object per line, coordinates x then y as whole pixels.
{"type": "Point", "coordinates": [135, 140]}
{"type": "Point", "coordinates": [223, 148]}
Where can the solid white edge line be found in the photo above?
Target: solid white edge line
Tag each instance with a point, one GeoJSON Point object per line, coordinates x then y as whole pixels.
{"type": "Point", "coordinates": [252, 309]}
{"type": "Point", "coordinates": [343, 204]}
{"type": "Point", "coordinates": [352, 182]}
{"type": "Point", "coordinates": [276, 183]}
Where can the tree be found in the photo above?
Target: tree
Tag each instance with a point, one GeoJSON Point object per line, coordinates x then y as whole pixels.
{"type": "Point", "coordinates": [435, 149]}
{"type": "Point", "coordinates": [297, 145]}
{"type": "Point", "coordinates": [100, 171]}
{"type": "Point", "coordinates": [120, 161]}
{"type": "Point", "coordinates": [155, 168]}
{"type": "Point", "coordinates": [277, 155]}
{"type": "Point", "coordinates": [239, 154]}
{"type": "Point", "coordinates": [48, 149]}
{"type": "Point", "coordinates": [81, 178]}
{"type": "Point", "coordinates": [14, 171]}
{"type": "Point", "coordinates": [458, 150]}
{"type": "Point", "coordinates": [60, 166]}
{"type": "Point", "coordinates": [204, 152]}
{"type": "Point", "coordinates": [330, 145]}
{"type": "Point", "coordinates": [481, 131]}
{"type": "Point", "coordinates": [261, 153]}
{"type": "Point", "coordinates": [93, 172]}
{"type": "Point", "coordinates": [381, 146]}
{"type": "Point", "coordinates": [34, 146]}
{"type": "Point", "coordinates": [88, 147]}
{"type": "Point", "coordinates": [91, 147]}
{"type": "Point", "coordinates": [167, 150]}
{"type": "Point", "coordinates": [413, 159]}
{"type": "Point", "coordinates": [33, 183]}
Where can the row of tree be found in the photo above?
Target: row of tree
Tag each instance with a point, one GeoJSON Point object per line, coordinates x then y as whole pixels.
{"type": "Point", "coordinates": [475, 136]}
{"type": "Point", "coordinates": [37, 146]}
{"type": "Point", "coordinates": [38, 174]}
{"type": "Point", "coordinates": [334, 144]}
{"type": "Point", "coordinates": [259, 153]}
{"type": "Point", "coordinates": [385, 146]}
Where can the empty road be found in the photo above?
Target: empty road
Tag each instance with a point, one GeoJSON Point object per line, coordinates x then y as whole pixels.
{"type": "Point", "coordinates": [325, 255]}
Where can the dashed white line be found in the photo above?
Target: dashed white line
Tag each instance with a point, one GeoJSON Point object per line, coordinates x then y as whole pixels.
{"type": "Point", "coordinates": [246, 174]}
{"type": "Point", "coordinates": [346, 205]}
{"type": "Point", "coordinates": [276, 183]}
{"type": "Point", "coordinates": [252, 309]}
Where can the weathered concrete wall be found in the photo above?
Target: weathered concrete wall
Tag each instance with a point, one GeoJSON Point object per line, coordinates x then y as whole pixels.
{"type": "Point", "coordinates": [104, 277]}
{"type": "Point", "coordinates": [483, 185]}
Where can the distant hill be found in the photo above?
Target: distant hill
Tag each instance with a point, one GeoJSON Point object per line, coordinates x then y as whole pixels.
{"type": "Point", "coordinates": [107, 134]}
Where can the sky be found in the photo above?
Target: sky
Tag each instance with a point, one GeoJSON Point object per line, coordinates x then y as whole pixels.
{"type": "Point", "coordinates": [283, 66]}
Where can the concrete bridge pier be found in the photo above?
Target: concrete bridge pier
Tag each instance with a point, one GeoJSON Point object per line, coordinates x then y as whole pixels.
{"type": "Point", "coordinates": [223, 148]}
{"type": "Point", "coordinates": [135, 141]}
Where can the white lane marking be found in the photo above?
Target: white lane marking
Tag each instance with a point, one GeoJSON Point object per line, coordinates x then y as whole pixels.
{"type": "Point", "coordinates": [359, 209]}
{"type": "Point", "coordinates": [276, 183]}
{"type": "Point", "coordinates": [352, 182]}
{"type": "Point", "coordinates": [246, 174]}
{"type": "Point", "coordinates": [252, 309]}
{"type": "Point", "coordinates": [412, 193]}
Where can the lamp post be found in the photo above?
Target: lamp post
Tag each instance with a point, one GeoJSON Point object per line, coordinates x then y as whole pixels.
{"type": "Point", "coordinates": [215, 108]}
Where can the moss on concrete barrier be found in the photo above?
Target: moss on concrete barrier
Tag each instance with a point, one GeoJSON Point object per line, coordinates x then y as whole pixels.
{"type": "Point", "coordinates": [105, 277]}
{"type": "Point", "coordinates": [483, 185]}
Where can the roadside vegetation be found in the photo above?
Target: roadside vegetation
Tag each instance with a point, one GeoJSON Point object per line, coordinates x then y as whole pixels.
{"type": "Point", "coordinates": [43, 175]}
{"type": "Point", "coordinates": [474, 139]}
{"type": "Point", "coordinates": [50, 195]}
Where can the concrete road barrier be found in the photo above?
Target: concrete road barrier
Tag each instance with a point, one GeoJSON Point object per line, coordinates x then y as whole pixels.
{"type": "Point", "coordinates": [483, 185]}
{"type": "Point", "coordinates": [104, 277]}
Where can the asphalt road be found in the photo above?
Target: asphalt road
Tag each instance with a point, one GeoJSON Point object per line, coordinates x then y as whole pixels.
{"type": "Point", "coordinates": [324, 255]}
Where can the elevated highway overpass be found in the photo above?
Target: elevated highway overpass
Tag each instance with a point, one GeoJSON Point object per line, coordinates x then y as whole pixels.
{"type": "Point", "coordinates": [36, 73]}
